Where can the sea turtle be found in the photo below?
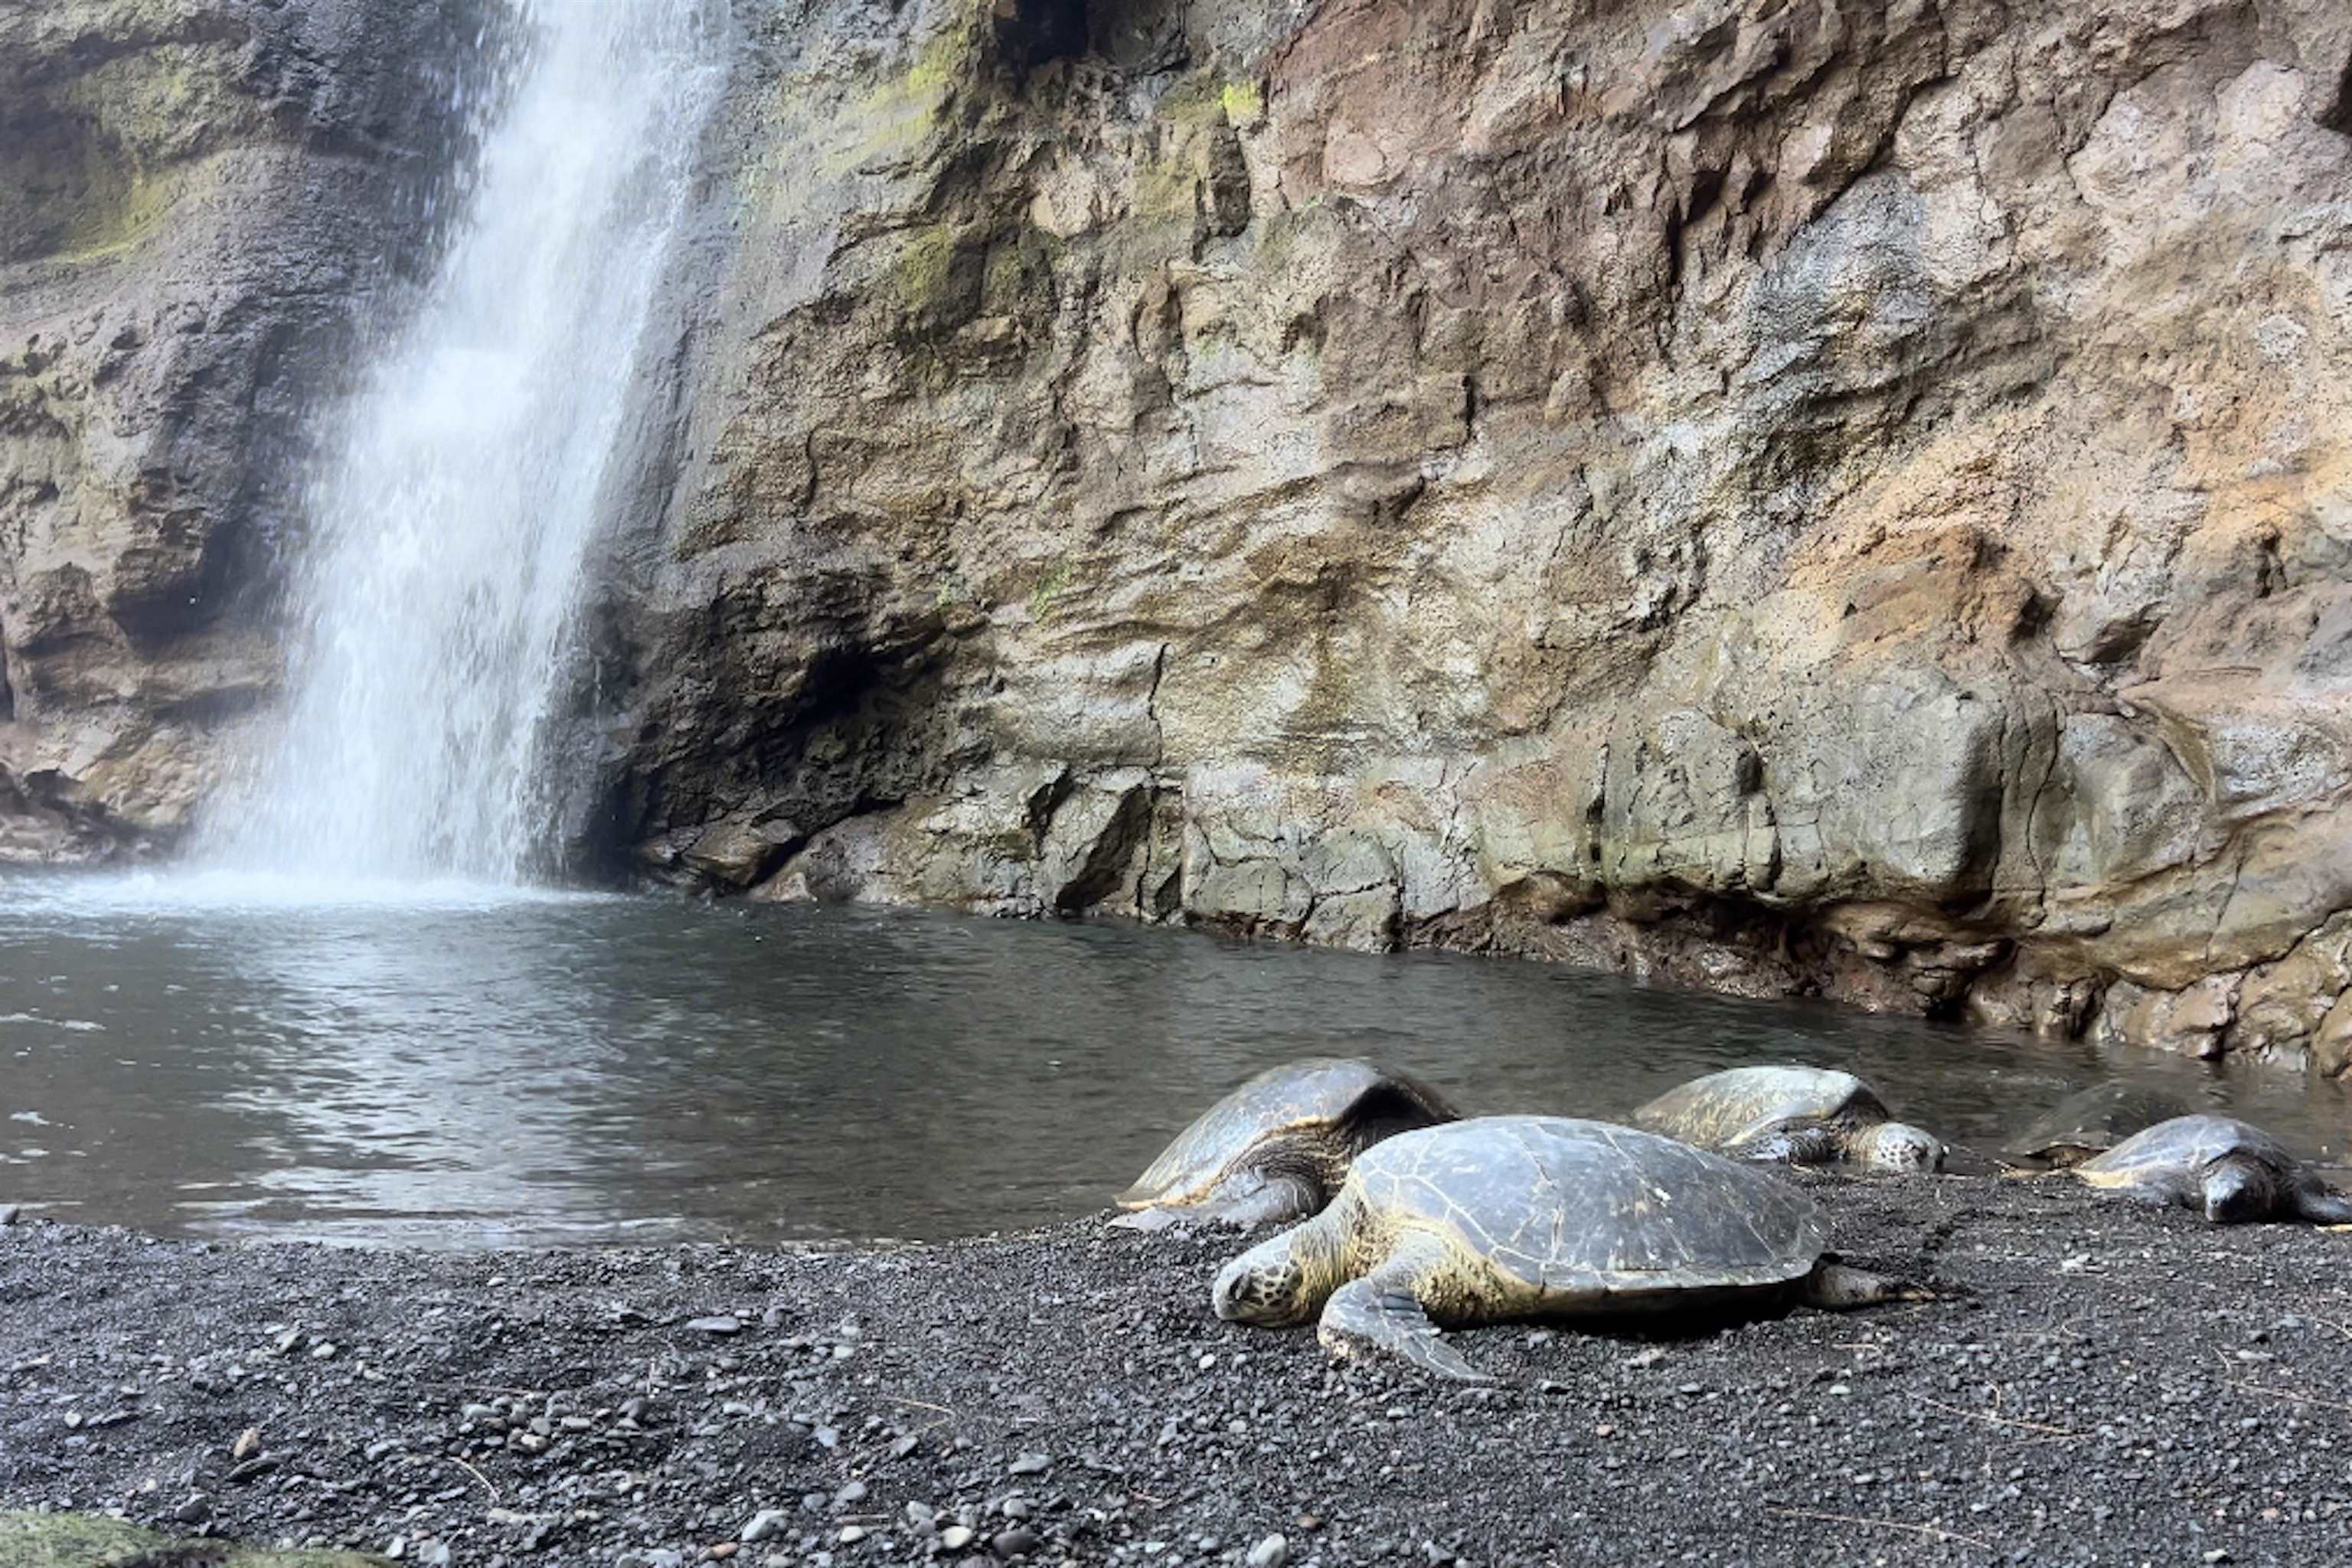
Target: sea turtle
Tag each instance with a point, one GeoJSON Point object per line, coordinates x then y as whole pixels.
{"type": "Point", "coordinates": [1537, 1217]}
{"type": "Point", "coordinates": [1800, 1116]}
{"type": "Point", "coordinates": [2092, 1121]}
{"type": "Point", "coordinates": [1277, 1147]}
{"type": "Point", "coordinates": [2231, 1170]}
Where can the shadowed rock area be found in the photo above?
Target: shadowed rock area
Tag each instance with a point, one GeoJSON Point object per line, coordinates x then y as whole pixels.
{"type": "Point", "coordinates": [1837, 499]}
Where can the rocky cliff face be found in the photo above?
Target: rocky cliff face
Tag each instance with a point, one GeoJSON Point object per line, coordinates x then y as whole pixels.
{"type": "Point", "coordinates": [1840, 498]}
{"type": "Point", "coordinates": [200, 202]}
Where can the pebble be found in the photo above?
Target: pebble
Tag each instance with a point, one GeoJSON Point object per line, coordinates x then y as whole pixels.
{"type": "Point", "coordinates": [1011, 1543]}
{"type": "Point", "coordinates": [721, 1325]}
{"type": "Point", "coordinates": [956, 1537]}
{"type": "Point", "coordinates": [195, 1511]}
{"type": "Point", "coordinates": [851, 1534]}
{"type": "Point", "coordinates": [325, 1350]}
{"type": "Point", "coordinates": [1271, 1552]}
{"type": "Point", "coordinates": [828, 1438]}
{"type": "Point", "coordinates": [853, 1492]}
{"type": "Point", "coordinates": [289, 1341]}
{"type": "Point", "coordinates": [904, 1446]}
{"type": "Point", "coordinates": [762, 1525]}
{"type": "Point", "coordinates": [1030, 1465]}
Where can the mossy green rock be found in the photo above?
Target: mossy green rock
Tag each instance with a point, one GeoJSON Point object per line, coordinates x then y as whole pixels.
{"type": "Point", "coordinates": [90, 1541]}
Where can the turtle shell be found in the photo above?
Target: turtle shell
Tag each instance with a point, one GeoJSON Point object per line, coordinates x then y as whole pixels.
{"type": "Point", "coordinates": [2182, 1146]}
{"type": "Point", "coordinates": [2093, 1120]}
{"type": "Point", "coordinates": [1312, 1095]}
{"type": "Point", "coordinates": [1584, 1207]}
{"type": "Point", "coordinates": [1731, 1107]}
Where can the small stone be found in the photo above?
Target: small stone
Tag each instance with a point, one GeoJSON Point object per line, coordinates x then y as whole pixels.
{"type": "Point", "coordinates": [259, 1465]}
{"type": "Point", "coordinates": [828, 1438]}
{"type": "Point", "coordinates": [1271, 1552]}
{"type": "Point", "coordinates": [195, 1511]}
{"type": "Point", "coordinates": [383, 1448]}
{"type": "Point", "coordinates": [853, 1492]}
{"type": "Point", "coordinates": [73, 1420]}
{"type": "Point", "coordinates": [436, 1555]}
{"type": "Point", "coordinates": [325, 1350]}
{"type": "Point", "coordinates": [1030, 1465]}
{"type": "Point", "coordinates": [904, 1446]}
{"type": "Point", "coordinates": [720, 1552]}
{"type": "Point", "coordinates": [851, 1534]}
{"type": "Point", "coordinates": [921, 1515]}
{"type": "Point", "coordinates": [721, 1325]}
{"type": "Point", "coordinates": [763, 1525]}
{"type": "Point", "coordinates": [956, 1537]}
{"type": "Point", "coordinates": [2219, 1554]}
{"type": "Point", "coordinates": [1011, 1543]}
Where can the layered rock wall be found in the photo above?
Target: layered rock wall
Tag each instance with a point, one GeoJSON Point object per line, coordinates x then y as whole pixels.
{"type": "Point", "coordinates": [1838, 498]}
{"type": "Point", "coordinates": [203, 203]}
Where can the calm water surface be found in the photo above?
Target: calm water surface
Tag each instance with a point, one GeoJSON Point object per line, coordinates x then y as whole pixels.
{"type": "Point", "coordinates": [470, 1068]}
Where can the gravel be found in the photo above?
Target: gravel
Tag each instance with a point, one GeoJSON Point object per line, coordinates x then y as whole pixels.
{"type": "Point", "coordinates": [2095, 1383]}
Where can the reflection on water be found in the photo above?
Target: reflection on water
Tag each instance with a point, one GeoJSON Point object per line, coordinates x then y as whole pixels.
{"type": "Point", "coordinates": [469, 1068]}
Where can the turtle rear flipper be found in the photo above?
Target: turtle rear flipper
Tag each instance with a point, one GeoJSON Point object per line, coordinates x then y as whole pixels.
{"type": "Point", "coordinates": [1380, 1312]}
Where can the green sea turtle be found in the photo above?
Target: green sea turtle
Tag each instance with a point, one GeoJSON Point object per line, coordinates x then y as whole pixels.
{"type": "Point", "coordinates": [1537, 1217]}
{"type": "Point", "coordinates": [2231, 1170]}
{"type": "Point", "coordinates": [1799, 1116]}
{"type": "Point", "coordinates": [1277, 1147]}
{"type": "Point", "coordinates": [2092, 1121]}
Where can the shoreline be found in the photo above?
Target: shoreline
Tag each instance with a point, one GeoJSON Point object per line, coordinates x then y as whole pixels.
{"type": "Point", "coordinates": [2096, 1382]}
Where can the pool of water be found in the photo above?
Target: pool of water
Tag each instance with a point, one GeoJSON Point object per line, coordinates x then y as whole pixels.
{"type": "Point", "coordinates": [464, 1067]}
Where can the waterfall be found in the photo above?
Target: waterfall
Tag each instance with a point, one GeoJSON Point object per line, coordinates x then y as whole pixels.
{"type": "Point", "coordinates": [451, 521]}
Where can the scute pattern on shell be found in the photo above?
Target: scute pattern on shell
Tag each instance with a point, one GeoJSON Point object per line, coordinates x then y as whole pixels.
{"type": "Point", "coordinates": [1313, 1091]}
{"type": "Point", "coordinates": [1565, 1204]}
{"type": "Point", "coordinates": [1732, 1106]}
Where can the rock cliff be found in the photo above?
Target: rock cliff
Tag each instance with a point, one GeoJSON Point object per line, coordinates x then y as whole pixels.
{"type": "Point", "coordinates": [1834, 497]}
{"type": "Point", "coordinates": [202, 203]}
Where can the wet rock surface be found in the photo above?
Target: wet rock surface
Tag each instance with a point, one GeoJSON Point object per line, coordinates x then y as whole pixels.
{"type": "Point", "coordinates": [2095, 1383]}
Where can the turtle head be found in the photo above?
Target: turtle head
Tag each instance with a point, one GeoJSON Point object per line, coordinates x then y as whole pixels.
{"type": "Point", "coordinates": [1280, 1282]}
{"type": "Point", "coordinates": [2237, 1191]}
{"type": "Point", "coordinates": [1898, 1146]}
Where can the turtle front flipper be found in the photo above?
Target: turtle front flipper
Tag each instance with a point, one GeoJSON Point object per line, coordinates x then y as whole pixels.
{"type": "Point", "coordinates": [1381, 1311]}
{"type": "Point", "coordinates": [1834, 1288]}
{"type": "Point", "coordinates": [1791, 1143]}
{"type": "Point", "coordinates": [1278, 1200]}
{"type": "Point", "coordinates": [2315, 1202]}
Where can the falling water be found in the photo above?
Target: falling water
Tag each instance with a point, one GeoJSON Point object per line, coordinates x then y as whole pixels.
{"type": "Point", "coordinates": [451, 525]}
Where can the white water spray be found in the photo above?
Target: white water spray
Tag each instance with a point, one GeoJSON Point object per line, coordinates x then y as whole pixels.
{"type": "Point", "coordinates": [451, 525]}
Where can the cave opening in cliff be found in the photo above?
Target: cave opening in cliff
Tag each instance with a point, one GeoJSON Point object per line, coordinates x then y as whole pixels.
{"type": "Point", "coordinates": [1033, 33]}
